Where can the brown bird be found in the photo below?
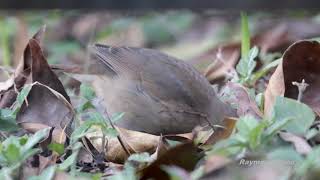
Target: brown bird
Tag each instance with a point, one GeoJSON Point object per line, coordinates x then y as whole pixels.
{"type": "Point", "coordinates": [159, 94]}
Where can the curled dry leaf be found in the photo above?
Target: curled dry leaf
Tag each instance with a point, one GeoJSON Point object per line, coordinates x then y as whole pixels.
{"type": "Point", "coordinates": [222, 133]}
{"type": "Point", "coordinates": [48, 103]}
{"type": "Point", "coordinates": [245, 105]}
{"type": "Point", "coordinates": [134, 141]}
{"type": "Point", "coordinates": [300, 61]}
{"type": "Point", "coordinates": [8, 89]}
{"type": "Point", "coordinates": [300, 144]}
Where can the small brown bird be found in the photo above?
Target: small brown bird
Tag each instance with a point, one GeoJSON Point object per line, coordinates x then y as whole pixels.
{"type": "Point", "coordinates": [159, 94]}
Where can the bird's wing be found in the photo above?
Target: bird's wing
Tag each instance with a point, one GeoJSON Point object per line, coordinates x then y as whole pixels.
{"type": "Point", "coordinates": [154, 73]}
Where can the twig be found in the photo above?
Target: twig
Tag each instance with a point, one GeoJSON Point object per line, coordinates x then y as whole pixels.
{"type": "Point", "coordinates": [301, 88]}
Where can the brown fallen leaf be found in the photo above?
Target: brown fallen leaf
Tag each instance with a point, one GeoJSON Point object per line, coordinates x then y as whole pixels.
{"type": "Point", "coordinates": [300, 61]}
{"type": "Point", "coordinates": [8, 89]}
{"type": "Point", "coordinates": [300, 144]}
{"type": "Point", "coordinates": [184, 156]}
{"type": "Point", "coordinates": [245, 105]}
{"type": "Point", "coordinates": [222, 133]}
{"type": "Point", "coordinates": [47, 102]}
{"type": "Point", "coordinates": [134, 141]}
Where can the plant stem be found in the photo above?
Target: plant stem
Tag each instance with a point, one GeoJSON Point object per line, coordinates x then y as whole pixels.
{"type": "Point", "coordinates": [245, 36]}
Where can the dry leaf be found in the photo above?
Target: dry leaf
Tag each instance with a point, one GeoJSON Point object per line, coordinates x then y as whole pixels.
{"type": "Point", "coordinates": [135, 142]}
{"type": "Point", "coordinates": [222, 133]}
{"type": "Point", "coordinates": [245, 105]}
{"type": "Point", "coordinates": [300, 61]}
{"type": "Point", "coordinates": [21, 74]}
{"type": "Point", "coordinates": [48, 103]}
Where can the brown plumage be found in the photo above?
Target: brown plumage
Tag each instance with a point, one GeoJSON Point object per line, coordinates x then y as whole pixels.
{"type": "Point", "coordinates": [159, 94]}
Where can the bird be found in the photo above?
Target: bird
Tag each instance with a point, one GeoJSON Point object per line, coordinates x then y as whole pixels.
{"type": "Point", "coordinates": [158, 94]}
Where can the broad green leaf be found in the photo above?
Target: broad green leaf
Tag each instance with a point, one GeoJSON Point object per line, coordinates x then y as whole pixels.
{"type": "Point", "coordinates": [302, 116]}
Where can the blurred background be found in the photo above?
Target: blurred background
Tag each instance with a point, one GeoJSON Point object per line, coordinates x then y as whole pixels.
{"type": "Point", "coordinates": [188, 35]}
